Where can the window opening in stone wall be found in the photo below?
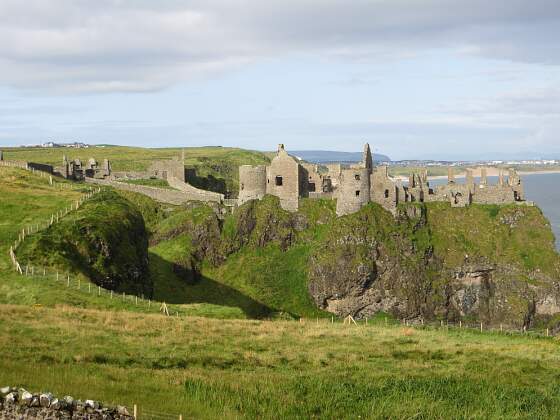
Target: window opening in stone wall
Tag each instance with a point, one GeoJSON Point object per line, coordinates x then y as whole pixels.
{"type": "Point", "coordinates": [311, 186]}
{"type": "Point", "coordinates": [242, 187]}
{"type": "Point", "coordinates": [386, 193]}
{"type": "Point", "coordinates": [279, 181]}
{"type": "Point", "coordinates": [357, 193]}
{"type": "Point", "coordinates": [357, 177]}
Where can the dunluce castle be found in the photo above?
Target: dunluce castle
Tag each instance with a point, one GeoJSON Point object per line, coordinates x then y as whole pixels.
{"type": "Point", "coordinates": [353, 186]}
{"type": "Point", "coordinates": [290, 179]}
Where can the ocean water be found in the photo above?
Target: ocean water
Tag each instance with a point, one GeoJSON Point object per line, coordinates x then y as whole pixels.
{"type": "Point", "coordinates": [543, 189]}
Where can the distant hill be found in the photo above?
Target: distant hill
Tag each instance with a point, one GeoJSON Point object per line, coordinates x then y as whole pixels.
{"type": "Point", "coordinates": [324, 156]}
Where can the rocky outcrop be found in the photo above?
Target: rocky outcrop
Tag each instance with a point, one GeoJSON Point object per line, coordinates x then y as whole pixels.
{"type": "Point", "coordinates": [20, 404]}
{"type": "Point", "coordinates": [370, 262]}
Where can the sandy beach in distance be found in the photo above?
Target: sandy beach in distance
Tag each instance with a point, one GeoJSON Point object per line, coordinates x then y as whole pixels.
{"type": "Point", "coordinates": [489, 172]}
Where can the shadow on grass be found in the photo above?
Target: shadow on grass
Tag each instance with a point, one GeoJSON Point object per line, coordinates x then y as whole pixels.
{"type": "Point", "coordinates": [192, 287]}
{"type": "Point", "coordinates": [209, 182]}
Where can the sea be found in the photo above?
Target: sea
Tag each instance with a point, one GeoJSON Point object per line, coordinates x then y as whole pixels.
{"type": "Point", "coordinates": [543, 189]}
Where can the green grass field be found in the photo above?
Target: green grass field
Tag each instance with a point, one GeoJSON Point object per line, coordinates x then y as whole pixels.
{"type": "Point", "coordinates": [206, 368]}
{"type": "Point", "coordinates": [28, 199]}
{"type": "Point", "coordinates": [211, 362]}
{"type": "Point", "coordinates": [216, 167]}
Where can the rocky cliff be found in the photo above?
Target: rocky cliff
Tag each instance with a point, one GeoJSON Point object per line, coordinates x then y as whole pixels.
{"type": "Point", "coordinates": [489, 263]}
{"type": "Point", "coordinates": [497, 264]}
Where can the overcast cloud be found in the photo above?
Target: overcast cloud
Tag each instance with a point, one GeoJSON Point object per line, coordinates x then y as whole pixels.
{"type": "Point", "coordinates": [131, 45]}
{"type": "Point", "coordinates": [416, 78]}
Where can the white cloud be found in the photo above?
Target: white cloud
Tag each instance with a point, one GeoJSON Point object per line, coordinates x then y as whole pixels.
{"type": "Point", "coordinates": [139, 45]}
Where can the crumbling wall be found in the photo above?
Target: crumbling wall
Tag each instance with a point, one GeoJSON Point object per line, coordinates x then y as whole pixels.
{"type": "Point", "coordinates": [284, 180]}
{"type": "Point", "coordinates": [353, 191]}
{"type": "Point", "coordinates": [383, 190]}
{"type": "Point", "coordinates": [164, 169]}
{"type": "Point", "coordinates": [40, 167]}
{"type": "Point", "coordinates": [493, 194]}
{"type": "Point", "coordinates": [252, 183]}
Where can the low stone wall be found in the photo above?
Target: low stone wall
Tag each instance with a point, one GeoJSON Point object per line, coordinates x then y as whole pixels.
{"type": "Point", "coordinates": [40, 167]}
{"type": "Point", "coordinates": [159, 194]}
{"type": "Point", "coordinates": [21, 404]}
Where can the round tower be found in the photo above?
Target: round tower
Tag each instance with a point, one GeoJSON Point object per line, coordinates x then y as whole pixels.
{"type": "Point", "coordinates": [252, 183]}
{"type": "Point", "coordinates": [353, 191]}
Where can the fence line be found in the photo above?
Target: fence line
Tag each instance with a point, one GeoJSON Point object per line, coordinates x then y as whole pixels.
{"type": "Point", "coordinates": [162, 307]}
{"type": "Point", "coordinates": [421, 323]}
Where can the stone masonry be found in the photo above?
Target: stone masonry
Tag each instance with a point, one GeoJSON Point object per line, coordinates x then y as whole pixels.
{"type": "Point", "coordinates": [356, 185]}
{"type": "Point", "coordinates": [17, 403]}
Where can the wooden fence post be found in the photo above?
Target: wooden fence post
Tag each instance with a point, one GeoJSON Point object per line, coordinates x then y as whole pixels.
{"type": "Point", "coordinates": [481, 327]}
{"type": "Point", "coordinates": [135, 411]}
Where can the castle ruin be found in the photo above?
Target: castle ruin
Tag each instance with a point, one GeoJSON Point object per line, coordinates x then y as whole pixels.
{"type": "Point", "coordinates": [353, 186]}
{"type": "Point", "coordinates": [77, 171]}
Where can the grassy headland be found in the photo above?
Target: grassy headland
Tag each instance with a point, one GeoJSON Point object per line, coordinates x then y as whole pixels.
{"type": "Point", "coordinates": [216, 167]}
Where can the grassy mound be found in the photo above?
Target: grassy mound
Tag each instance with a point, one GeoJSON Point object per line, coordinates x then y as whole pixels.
{"type": "Point", "coordinates": [105, 240]}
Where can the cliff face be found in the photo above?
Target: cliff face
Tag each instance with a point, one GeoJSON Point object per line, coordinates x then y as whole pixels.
{"type": "Point", "coordinates": [489, 263]}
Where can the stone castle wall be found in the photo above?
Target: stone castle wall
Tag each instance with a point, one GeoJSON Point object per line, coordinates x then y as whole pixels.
{"type": "Point", "coordinates": [41, 167]}
{"type": "Point", "coordinates": [252, 183]}
{"type": "Point", "coordinates": [287, 180]}
{"type": "Point", "coordinates": [165, 169]}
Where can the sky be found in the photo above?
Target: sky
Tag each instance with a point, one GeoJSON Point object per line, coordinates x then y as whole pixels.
{"type": "Point", "coordinates": [417, 79]}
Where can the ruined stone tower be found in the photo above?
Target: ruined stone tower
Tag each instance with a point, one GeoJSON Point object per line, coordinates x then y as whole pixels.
{"type": "Point", "coordinates": [286, 179]}
{"type": "Point", "coordinates": [354, 185]}
{"type": "Point", "coordinates": [252, 183]}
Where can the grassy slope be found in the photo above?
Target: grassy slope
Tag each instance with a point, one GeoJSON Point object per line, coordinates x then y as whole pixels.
{"type": "Point", "coordinates": [218, 162]}
{"type": "Point", "coordinates": [28, 199]}
{"type": "Point", "coordinates": [480, 231]}
{"type": "Point", "coordinates": [208, 368]}
{"type": "Point", "coordinates": [260, 280]}
{"type": "Point", "coordinates": [212, 368]}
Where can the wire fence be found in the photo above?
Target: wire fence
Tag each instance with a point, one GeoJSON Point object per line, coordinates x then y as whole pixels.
{"type": "Point", "coordinates": [74, 282]}
{"type": "Point", "coordinates": [65, 278]}
{"type": "Point", "coordinates": [440, 325]}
